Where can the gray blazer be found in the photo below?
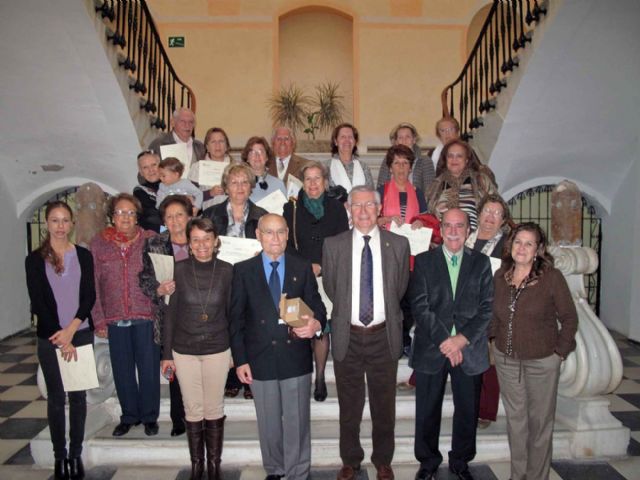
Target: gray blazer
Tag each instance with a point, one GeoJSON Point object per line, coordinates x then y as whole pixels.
{"type": "Point", "coordinates": [436, 311]}
{"type": "Point", "coordinates": [336, 275]}
{"type": "Point", "coordinates": [166, 138]}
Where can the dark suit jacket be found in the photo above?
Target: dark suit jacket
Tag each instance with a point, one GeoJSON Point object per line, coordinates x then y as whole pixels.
{"type": "Point", "coordinates": [435, 311]}
{"type": "Point", "coordinates": [337, 281]}
{"type": "Point", "coordinates": [295, 165]}
{"type": "Point", "coordinates": [256, 336]}
{"type": "Point", "coordinates": [166, 138]}
{"type": "Point", "coordinates": [43, 303]}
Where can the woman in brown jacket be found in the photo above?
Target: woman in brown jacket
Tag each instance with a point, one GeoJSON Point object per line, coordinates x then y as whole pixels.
{"type": "Point", "coordinates": [534, 326]}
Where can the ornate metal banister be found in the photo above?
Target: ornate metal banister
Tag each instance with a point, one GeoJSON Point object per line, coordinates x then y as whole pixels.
{"type": "Point", "coordinates": [133, 30]}
{"type": "Point", "coordinates": [494, 54]}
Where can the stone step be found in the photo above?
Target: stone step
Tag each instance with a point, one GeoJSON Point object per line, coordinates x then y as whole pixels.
{"type": "Point", "coordinates": [241, 447]}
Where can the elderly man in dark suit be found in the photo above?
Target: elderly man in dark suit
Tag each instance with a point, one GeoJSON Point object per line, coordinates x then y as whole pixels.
{"type": "Point", "coordinates": [183, 122]}
{"type": "Point", "coordinates": [283, 143]}
{"type": "Point", "coordinates": [451, 296]}
{"type": "Point", "coordinates": [276, 362]}
{"type": "Point", "coordinates": [366, 272]}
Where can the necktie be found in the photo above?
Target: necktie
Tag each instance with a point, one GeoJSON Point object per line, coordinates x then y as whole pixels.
{"type": "Point", "coordinates": [280, 166]}
{"type": "Point", "coordinates": [274, 284]}
{"type": "Point", "coordinates": [366, 283]}
{"type": "Point", "coordinates": [454, 260]}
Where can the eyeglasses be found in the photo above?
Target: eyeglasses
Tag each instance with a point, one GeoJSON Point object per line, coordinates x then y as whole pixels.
{"type": "Point", "coordinates": [401, 164]}
{"type": "Point", "coordinates": [124, 213]}
{"type": "Point", "coordinates": [256, 153]}
{"type": "Point", "coordinates": [361, 205]}
{"type": "Point", "coordinates": [493, 213]}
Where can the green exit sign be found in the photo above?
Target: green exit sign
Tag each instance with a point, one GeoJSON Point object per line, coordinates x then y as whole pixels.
{"type": "Point", "coordinates": [176, 42]}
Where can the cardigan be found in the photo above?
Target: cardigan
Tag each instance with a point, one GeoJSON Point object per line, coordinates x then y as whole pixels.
{"type": "Point", "coordinates": [118, 292]}
{"type": "Point", "coordinates": [220, 218]}
{"type": "Point", "coordinates": [542, 304]}
{"type": "Point", "coordinates": [184, 330]}
{"type": "Point", "coordinates": [43, 302]}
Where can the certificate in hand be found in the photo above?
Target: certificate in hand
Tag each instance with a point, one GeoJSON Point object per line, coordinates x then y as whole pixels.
{"type": "Point", "coordinates": [273, 203]}
{"type": "Point", "coordinates": [80, 374]}
{"type": "Point", "coordinates": [179, 151]}
{"type": "Point", "coordinates": [419, 239]}
{"type": "Point", "coordinates": [163, 267]}
{"type": "Point", "coordinates": [234, 250]}
{"type": "Point", "coordinates": [294, 185]}
{"type": "Point", "coordinates": [207, 173]}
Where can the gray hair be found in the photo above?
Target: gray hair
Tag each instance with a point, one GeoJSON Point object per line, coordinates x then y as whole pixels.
{"type": "Point", "coordinates": [363, 189]}
{"type": "Point", "coordinates": [292, 134]}
{"type": "Point", "coordinates": [324, 171]}
{"type": "Point", "coordinates": [180, 110]}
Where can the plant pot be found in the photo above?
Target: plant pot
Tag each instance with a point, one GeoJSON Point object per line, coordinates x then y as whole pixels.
{"type": "Point", "coordinates": [313, 146]}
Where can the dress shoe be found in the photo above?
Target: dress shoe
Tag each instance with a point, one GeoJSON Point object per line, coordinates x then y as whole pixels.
{"type": "Point", "coordinates": [463, 474]}
{"type": "Point", "coordinates": [151, 429]}
{"type": "Point", "coordinates": [248, 394]}
{"type": "Point", "coordinates": [320, 391]}
{"type": "Point", "coordinates": [484, 423]}
{"type": "Point", "coordinates": [231, 392]}
{"type": "Point", "coordinates": [61, 469]}
{"type": "Point", "coordinates": [347, 472]}
{"type": "Point", "coordinates": [76, 468]}
{"type": "Point", "coordinates": [273, 477]}
{"type": "Point", "coordinates": [123, 428]}
{"type": "Point", "coordinates": [385, 472]}
{"type": "Point", "coordinates": [424, 474]}
{"type": "Point", "coordinates": [177, 429]}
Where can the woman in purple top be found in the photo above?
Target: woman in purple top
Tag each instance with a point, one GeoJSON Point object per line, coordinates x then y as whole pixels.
{"type": "Point", "coordinates": [60, 281]}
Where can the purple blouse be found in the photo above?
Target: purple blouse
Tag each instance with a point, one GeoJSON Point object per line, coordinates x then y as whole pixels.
{"type": "Point", "coordinates": [66, 288]}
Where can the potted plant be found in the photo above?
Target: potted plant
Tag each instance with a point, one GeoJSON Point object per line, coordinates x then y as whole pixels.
{"type": "Point", "coordinates": [288, 107]}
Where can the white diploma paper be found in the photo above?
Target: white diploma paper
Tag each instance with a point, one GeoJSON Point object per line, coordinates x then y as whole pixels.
{"type": "Point", "coordinates": [496, 263]}
{"type": "Point", "coordinates": [419, 239]}
{"type": "Point", "coordinates": [294, 185]}
{"type": "Point", "coordinates": [163, 266]}
{"type": "Point", "coordinates": [274, 202]}
{"type": "Point", "coordinates": [80, 374]}
{"type": "Point", "coordinates": [179, 151]}
{"type": "Point", "coordinates": [207, 173]}
{"type": "Point", "coordinates": [234, 250]}
{"type": "Point", "coordinates": [325, 298]}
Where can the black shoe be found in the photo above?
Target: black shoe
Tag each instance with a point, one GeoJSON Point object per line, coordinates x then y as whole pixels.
{"type": "Point", "coordinates": [463, 474]}
{"type": "Point", "coordinates": [76, 468]}
{"type": "Point", "coordinates": [178, 429]}
{"type": "Point", "coordinates": [151, 429]}
{"type": "Point", "coordinates": [424, 474]}
{"type": "Point", "coordinates": [320, 392]}
{"type": "Point", "coordinates": [273, 477]}
{"type": "Point", "coordinates": [61, 470]}
{"type": "Point", "coordinates": [122, 429]}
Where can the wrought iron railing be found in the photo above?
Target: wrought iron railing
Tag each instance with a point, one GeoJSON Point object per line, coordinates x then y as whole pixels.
{"type": "Point", "coordinates": [506, 30]}
{"type": "Point", "coordinates": [131, 28]}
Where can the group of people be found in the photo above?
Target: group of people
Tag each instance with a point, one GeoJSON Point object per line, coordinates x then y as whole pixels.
{"type": "Point", "coordinates": [214, 327]}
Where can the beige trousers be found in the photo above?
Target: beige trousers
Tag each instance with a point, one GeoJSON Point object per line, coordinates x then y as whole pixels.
{"type": "Point", "coordinates": [529, 389]}
{"type": "Point", "coordinates": [202, 379]}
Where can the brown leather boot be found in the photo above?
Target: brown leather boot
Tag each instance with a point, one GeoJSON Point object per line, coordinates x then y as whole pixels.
{"type": "Point", "coordinates": [214, 434]}
{"type": "Point", "coordinates": [195, 437]}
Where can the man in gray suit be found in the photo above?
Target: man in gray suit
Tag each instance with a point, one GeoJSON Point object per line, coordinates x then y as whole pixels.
{"type": "Point", "coordinates": [365, 274]}
{"type": "Point", "coordinates": [183, 122]}
{"type": "Point", "coordinates": [451, 297]}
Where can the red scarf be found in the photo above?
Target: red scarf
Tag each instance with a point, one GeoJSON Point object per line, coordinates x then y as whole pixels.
{"type": "Point", "coordinates": [391, 206]}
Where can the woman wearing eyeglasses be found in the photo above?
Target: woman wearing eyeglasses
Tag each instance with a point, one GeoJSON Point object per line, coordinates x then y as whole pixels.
{"type": "Point", "coordinates": [258, 155]}
{"type": "Point", "coordinates": [236, 217]}
{"type": "Point", "coordinates": [125, 315]}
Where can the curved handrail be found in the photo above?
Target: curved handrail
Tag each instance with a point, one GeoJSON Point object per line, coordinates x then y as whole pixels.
{"type": "Point", "coordinates": [151, 73]}
{"type": "Point", "coordinates": [492, 56]}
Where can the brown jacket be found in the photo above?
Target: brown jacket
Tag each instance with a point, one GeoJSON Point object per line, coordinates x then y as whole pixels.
{"type": "Point", "coordinates": [543, 304]}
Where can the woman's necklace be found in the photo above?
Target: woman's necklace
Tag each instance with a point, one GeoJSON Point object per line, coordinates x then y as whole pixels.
{"type": "Point", "coordinates": [203, 316]}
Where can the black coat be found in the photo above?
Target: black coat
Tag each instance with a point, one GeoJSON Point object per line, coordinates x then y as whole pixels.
{"type": "Point", "coordinates": [43, 303]}
{"type": "Point", "coordinates": [256, 336]}
{"type": "Point", "coordinates": [436, 311]}
{"type": "Point", "coordinates": [306, 233]}
{"type": "Point", "coordinates": [220, 218]}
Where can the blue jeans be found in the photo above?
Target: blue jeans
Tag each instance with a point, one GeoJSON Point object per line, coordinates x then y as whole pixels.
{"type": "Point", "coordinates": [132, 349]}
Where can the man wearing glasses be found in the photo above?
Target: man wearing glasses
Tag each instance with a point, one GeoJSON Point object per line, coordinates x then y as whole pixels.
{"type": "Point", "coordinates": [451, 295]}
{"type": "Point", "coordinates": [365, 274]}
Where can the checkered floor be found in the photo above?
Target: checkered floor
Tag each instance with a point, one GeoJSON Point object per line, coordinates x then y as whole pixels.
{"type": "Point", "coordinates": [23, 415]}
